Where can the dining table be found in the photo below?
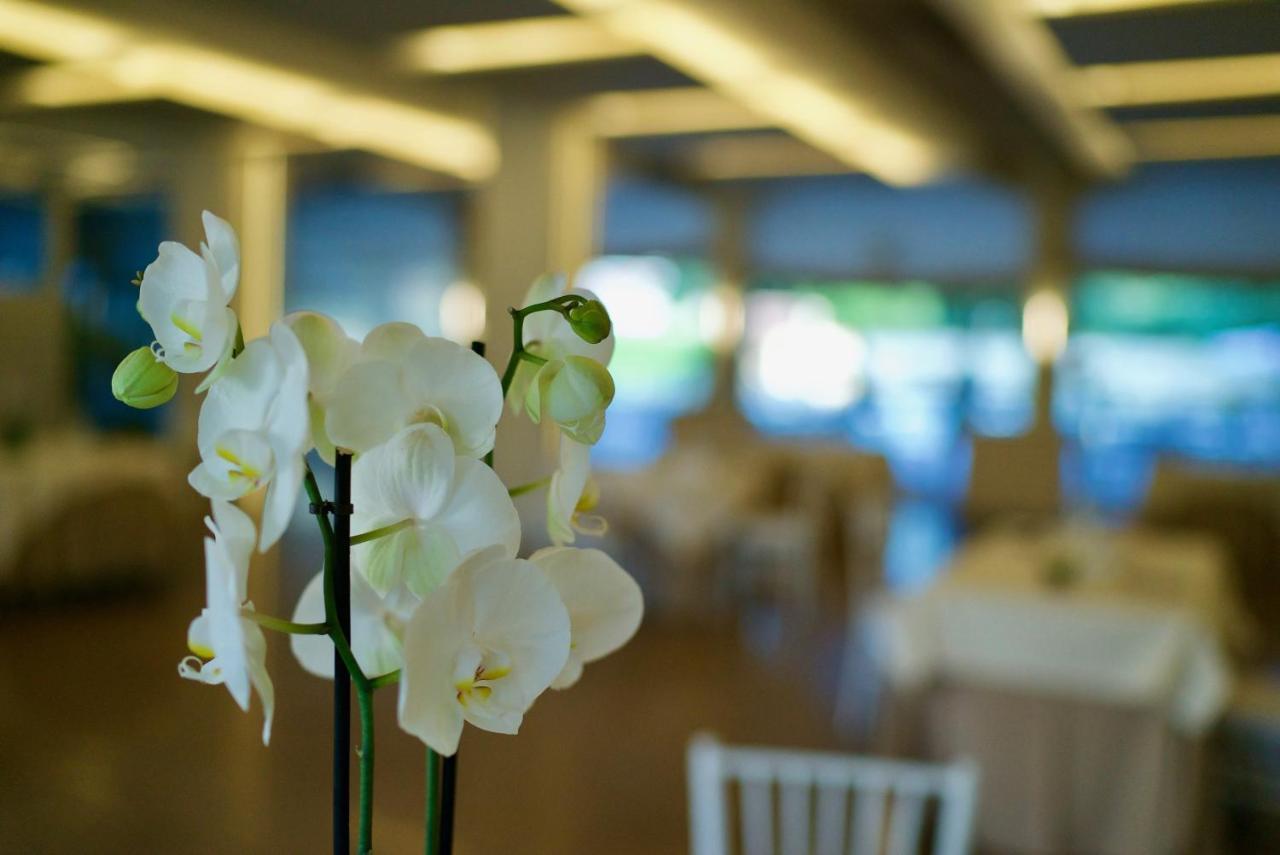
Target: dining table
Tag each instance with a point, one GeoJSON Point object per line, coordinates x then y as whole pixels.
{"type": "Point", "coordinates": [1083, 667]}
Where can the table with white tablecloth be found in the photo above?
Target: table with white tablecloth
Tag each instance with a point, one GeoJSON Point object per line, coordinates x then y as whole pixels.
{"type": "Point", "coordinates": [1080, 667]}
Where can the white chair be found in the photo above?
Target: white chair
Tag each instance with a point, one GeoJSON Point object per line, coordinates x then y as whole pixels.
{"type": "Point", "coordinates": [817, 794]}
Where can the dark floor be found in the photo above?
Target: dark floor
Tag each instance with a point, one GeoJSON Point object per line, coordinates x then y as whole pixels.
{"type": "Point", "coordinates": [104, 749]}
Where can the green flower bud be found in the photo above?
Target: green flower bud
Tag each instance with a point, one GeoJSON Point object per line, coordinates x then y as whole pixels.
{"type": "Point", "coordinates": [590, 320]}
{"type": "Point", "coordinates": [142, 381]}
{"type": "Point", "coordinates": [574, 393]}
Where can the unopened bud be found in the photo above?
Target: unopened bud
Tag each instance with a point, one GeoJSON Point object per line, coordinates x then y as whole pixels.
{"type": "Point", "coordinates": [142, 381]}
{"type": "Point", "coordinates": [590, 320]}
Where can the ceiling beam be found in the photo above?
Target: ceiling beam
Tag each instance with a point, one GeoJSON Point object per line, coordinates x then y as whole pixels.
{"type": "Point", "coordinates": [135, 59]}
{"type": "Point", "coordinates": [801, 71]}
{"type": "Point", "coordinates": [1206, 139]}
{"type": "Point", "coordinates": [1073, 8]}
{"type": "Point", "coordinates": [665, 112]}
{"type": "Point", "coordinates": [758, 156]}
{"type": "Point", "coordinates": [1179, 81]}
{"type": "Point", "coordinates": [518, 43]}
{"type": "Point", "coordinates": [1024, 54]}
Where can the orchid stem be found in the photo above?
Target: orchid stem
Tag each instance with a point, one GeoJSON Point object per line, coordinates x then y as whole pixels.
{"type": "Point", "coordinates": [374, 534]}
{"type": "Point", "coordinates": [389, 679]}
{"type": "Point", "coordinates": [560, 304]}
{"type": "Point", "coordinates": [431, 835]}
{"type": "Point", "coordinates": [346, 670]}
{"type": "Point", "coordinates": [286, 626]}
{"type": "Point", "coordinates": [364, 843]}
{"type": "Point", "coordinates": [528, 488]}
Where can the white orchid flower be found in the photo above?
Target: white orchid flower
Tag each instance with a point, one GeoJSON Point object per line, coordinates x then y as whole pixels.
{"type": "Point", "coordinates": [480, 649]}
{"type": "Point", "coordinates": [572, 495]}
{"type": "Point", "coordinates": [184, 298]}
{"type": "Point", "coordinates": [330, 352]}
{"type": "Point", "coordinates": [604, 604]}
{"type": "Point", "coordinates": [377, 626]}
{"type": "Point", "coordinates": [253, 429]}
{"type": "Point", "coordinates": [402, 377]}
{"type": "Point", "coordinates": [447, 505]}
{"type": "Point", "coordinates": [229, 648]}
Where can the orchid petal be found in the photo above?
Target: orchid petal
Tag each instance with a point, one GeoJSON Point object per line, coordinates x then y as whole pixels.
{"type": "Point", "coordinates": [604, 603]}
{"type": "Point", "coordinates": [368, 406]}
{"type": "Point", "coordinates": [225, 248]}
{"type": "Point", "coordinates": [408, 476]}
{"type": "Point", "coordinates": [330, 351]}
{"type": "Point", "coordinates": [374, 637]}
{"type": "Point", "coordinates": [390, 342]}
{"type": "Point", "coordinates": [481, 648]}
{"type": "Point", "coordinates": [446, 377]}
{"type": "Point", "coordinates": [566, 488]}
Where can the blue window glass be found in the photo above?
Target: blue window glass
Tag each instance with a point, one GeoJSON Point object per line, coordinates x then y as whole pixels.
{"type": "Point", "coordinates": [368, 256]}
{"type": "Point", "coordinates": [1167, 365]}
{"type": "Point", "coordinates": [114, 241]}
{"type": "Point", "coordinates": [663, 365]}
{"type": "Point", "coordinates": [22, 243]}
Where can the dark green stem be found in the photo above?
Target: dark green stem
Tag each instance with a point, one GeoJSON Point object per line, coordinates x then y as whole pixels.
{"type": "Point", "coordinates": [364, 840]}
{"type": "Point", "coordinates": [431, 837]}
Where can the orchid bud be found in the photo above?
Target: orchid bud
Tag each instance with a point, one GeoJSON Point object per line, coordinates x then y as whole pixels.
{"type": "Point", "coordinates": [590, 320]}
{"type": "Point", "coordinates": [574, 393]}
{"type": "Point", "coordinates": [142, 381]}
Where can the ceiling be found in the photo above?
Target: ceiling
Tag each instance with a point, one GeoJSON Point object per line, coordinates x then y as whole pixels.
{"type": "Point", "coordinates": [986, 85]}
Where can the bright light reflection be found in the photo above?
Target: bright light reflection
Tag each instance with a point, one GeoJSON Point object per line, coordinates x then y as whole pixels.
{"type": "Point", "coordinates": [1045, 323]}
{"type": "Point", "coordinates": [636, 291]}
{"type": "Point", "coordinates": [462, 312]}
{"type": "Point", "coordinates": [720, 318]}
{"type": "Point", "coordinates": [810, 359]}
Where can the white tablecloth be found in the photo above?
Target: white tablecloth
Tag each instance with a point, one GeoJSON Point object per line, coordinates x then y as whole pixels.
{"type": "Point", "coordinates": [1128, 618]}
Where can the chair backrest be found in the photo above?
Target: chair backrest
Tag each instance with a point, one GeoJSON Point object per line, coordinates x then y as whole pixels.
{"type": "Point", "coordinates": [826, 804]}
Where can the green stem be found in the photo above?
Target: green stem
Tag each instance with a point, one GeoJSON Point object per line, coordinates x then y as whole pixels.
{"type": "Point", "coordinates": [330, 608]}
{"type": "Point", "coordinates": [376, 533]}
{"type": "Point", "coordinates": [532, 358]}
{"type": "Point", "coordinates": [388, 679]}
{"type": "Point", "coordinates": [364, 839]}
{"type": "Point", "coordinates": [282, 625]}
{"type": "Point", "coordinates": [431, 837]}
{"type": "Point", "coordinates": [561, 304]}
{"type": "Point", "coordinates": [528, 488]}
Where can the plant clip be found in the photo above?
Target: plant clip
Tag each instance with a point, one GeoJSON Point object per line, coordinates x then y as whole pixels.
{"type": "Point", "coordinates": [327, 507]}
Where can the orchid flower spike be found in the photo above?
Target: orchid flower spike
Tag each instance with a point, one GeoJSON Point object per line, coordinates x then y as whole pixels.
{"type": "Point", "coordinates": [253, 429]}
{"type": "Point", "coordinates": [552, 337]}
{"type": "Point", "coordinates": [444, 504]}
{"type": "Point", "coordinates": [481, 648]}
{"type": "Point", "coordinates": [402, 377]}
{"type": "Point", "coordinates": [185, 297]}
{"type": "Point", "coordinates": [229, 648]}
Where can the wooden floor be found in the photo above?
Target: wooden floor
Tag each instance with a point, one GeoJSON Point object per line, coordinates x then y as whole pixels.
{"type": "Point", "coordinates": [104, 749]}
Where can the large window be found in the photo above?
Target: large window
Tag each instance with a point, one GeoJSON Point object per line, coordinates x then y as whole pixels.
{"type": "Point", "coordinates": [366, 257]}
{"type": "Point", "coordinates": [1167, 365]}
{"type": "Point", "coordinates": [664, 318]}
{"type": "Point", "coordinates": [114, 239]}
{"type": "Point", "coordinates": [21, 243]}
{"type": "Point", "coordinates": [906, 369]}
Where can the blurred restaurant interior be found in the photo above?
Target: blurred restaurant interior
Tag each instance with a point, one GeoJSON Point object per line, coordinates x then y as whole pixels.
{"type": "Point", "coordinates": [947, 420]}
